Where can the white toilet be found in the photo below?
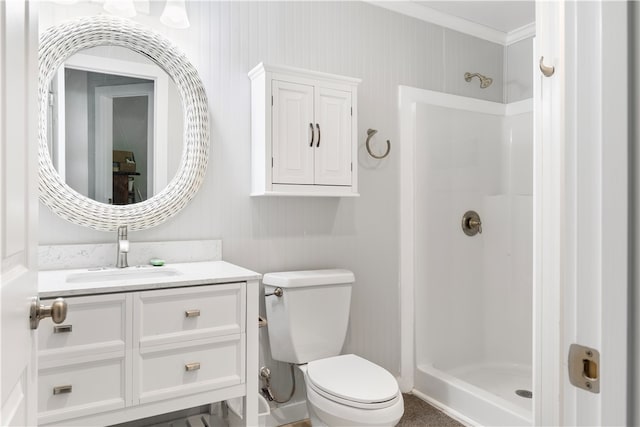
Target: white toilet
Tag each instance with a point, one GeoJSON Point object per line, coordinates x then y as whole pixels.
{"type": "Point", "coordinates": [307, 326]}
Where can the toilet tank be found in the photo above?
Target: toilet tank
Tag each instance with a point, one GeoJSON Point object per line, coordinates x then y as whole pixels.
{"type": "Point", "coordinates": [309, 321]}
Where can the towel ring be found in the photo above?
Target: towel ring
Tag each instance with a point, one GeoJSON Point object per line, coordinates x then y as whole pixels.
{"type": "Point", "coordinates": [370, 133]}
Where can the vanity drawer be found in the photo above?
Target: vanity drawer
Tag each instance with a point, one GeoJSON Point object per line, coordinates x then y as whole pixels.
{"type": "Point", "coordinates": [168, 371]}
{"type": "Point", "coordinates": [172, 315]}
{"type": "Point", "coordinates": [93, 324]}
{"type": "Point", "coordinates": [83, 387]}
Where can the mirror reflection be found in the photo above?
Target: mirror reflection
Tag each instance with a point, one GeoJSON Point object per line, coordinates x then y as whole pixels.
{"type": "Point", "coordinates": [115, 126]}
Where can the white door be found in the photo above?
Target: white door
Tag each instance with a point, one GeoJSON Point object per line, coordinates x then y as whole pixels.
{"type": "Point", "coordinates": [581, 212]}
{"type": "Point", "coordinates": [333, 146]}
{"type": "Point", "coordinates": [18, 211]}
{"type": "Point", "coordinates": [293, 133]}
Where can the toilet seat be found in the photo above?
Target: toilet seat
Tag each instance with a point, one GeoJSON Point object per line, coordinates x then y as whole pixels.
{"type": "Point", "coordinates": [353, 381]}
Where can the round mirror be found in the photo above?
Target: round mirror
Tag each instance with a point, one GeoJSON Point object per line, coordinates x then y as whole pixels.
{"type": "Point", "coordinates": [123, 124]}
{"type": "Point", "coordinates": [114, 125]}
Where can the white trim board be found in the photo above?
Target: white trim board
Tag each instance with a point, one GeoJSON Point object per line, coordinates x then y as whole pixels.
{"type": "Point", "coordinates": [427, 14]}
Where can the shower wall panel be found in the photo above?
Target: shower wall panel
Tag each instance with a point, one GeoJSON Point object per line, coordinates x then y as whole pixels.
{"type": "Point", "coordinates": [473, 294]}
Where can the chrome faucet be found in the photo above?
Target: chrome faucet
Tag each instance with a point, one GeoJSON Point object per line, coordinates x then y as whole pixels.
{"type": "Point", "coordinates": [123, 247]}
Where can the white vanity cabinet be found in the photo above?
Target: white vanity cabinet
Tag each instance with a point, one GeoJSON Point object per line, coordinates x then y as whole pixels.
{"type": "Point", "coordinates": [188, 340]}
{"type": "Point", "coordinates": [145, 351]}
{"type": "Point", "coordinates": [303, 132]}
{"type": "Point", "coordinates": [84, 363]}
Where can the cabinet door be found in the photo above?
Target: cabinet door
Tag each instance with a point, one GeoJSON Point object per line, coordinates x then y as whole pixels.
{"type": "Point", "coordinates": [291, 133]}
{"type": "Point", "coordinates": [333, 153]}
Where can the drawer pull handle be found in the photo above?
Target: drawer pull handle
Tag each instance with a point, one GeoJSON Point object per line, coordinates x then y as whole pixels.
{"type": "Point", "coordinates": [192, 313]}
{"type": "Point", "coordinates": [61, 389]}
{"type": "Point", "coordinates": [189, 367]}
{"type": "Point", "coordinates": [62, 329]}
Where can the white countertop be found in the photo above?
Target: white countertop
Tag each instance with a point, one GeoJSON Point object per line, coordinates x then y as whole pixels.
{"type": "Point", "coordinates": [55, 283]}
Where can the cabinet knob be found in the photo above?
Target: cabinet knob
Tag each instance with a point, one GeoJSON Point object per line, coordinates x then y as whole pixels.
{"type": "Point", "coordinates": [57, 311]}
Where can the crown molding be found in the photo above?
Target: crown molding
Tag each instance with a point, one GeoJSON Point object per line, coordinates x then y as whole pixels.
{"type": "Point", "coordinates": [427, 14]}
{"type": "Point", "coordinates": [524, 32]}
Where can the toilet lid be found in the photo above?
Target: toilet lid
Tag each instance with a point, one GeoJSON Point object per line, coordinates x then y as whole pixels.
{"type": "Point", "coordinates": [352, 378]}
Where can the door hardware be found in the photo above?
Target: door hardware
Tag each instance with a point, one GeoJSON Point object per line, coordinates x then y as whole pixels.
{"type": "Point", "coordinates": [584, 368]}
{"type": "Point", "coordinates": [57, 311]}
{"type": "Point", "coordinates": [547, 71]}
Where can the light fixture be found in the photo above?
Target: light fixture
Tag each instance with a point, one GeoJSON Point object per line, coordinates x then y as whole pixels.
{"type": "Point", "coordinates": [124, 8]}
{"type": "Point", "coordinates": [175, 14]}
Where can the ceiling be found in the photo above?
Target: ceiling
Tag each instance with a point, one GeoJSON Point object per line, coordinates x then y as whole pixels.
{"type": "Point", "coordinates": [504, 16]}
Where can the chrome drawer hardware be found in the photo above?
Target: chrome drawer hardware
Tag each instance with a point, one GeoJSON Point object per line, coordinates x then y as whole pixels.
{"type": "Point", "coordinates": [57, 311]}
{"type": "Point", "coordinates": [62, 389]}
{"type": "Point", "coordinates": [189, 367]}
{"type": "Point", "coordinates": [277, 292]}
{"type": "Point", "coordinates": [192, 313]}
{"type": "Point", "coordinates": [62, 329]}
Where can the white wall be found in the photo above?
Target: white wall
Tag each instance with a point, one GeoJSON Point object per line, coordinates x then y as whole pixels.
{"type": "Point", "coordinates": [356, 39]}
{"type": "Point", "coordinates": [519, 71]}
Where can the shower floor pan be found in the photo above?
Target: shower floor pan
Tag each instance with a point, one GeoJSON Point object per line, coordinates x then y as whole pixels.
{"type": "Point", "coordinates": [482, 394]}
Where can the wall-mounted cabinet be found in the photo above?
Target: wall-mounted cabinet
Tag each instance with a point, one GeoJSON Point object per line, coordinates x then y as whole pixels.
{"type": "Point", "coordinates": [303, 133]}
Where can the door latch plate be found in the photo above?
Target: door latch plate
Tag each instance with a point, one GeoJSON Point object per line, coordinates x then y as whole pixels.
{"type": "Point", "coordinates": [584, 368]}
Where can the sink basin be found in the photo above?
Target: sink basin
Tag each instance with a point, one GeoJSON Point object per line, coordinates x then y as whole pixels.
{"type": "Point", "coordinates": [131, 273]}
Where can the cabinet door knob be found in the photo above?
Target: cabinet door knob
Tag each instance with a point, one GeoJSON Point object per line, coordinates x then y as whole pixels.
{"type": "Point", "coordinates": [192, 313]}
{"type": "Point", "coordinates": [318, 127]}
{"type": "Point", "coordinates": [311, 143]}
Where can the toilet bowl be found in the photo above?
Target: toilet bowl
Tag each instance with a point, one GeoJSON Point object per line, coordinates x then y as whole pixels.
{"type": "Point", "coordinates": [308, 313]}
{"type": "Point", "coordinates": [348, 390]}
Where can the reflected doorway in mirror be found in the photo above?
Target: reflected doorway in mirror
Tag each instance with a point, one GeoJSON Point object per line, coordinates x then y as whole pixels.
{"type": "Point", "coordinates": [98, 106]}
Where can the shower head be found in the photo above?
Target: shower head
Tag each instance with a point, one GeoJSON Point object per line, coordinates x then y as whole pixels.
{"type": "Point", "coordinates": [485, 81]}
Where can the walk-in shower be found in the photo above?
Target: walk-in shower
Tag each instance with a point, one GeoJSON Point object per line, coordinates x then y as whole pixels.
{"type": "Point", "coordinates": [466, 248]}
